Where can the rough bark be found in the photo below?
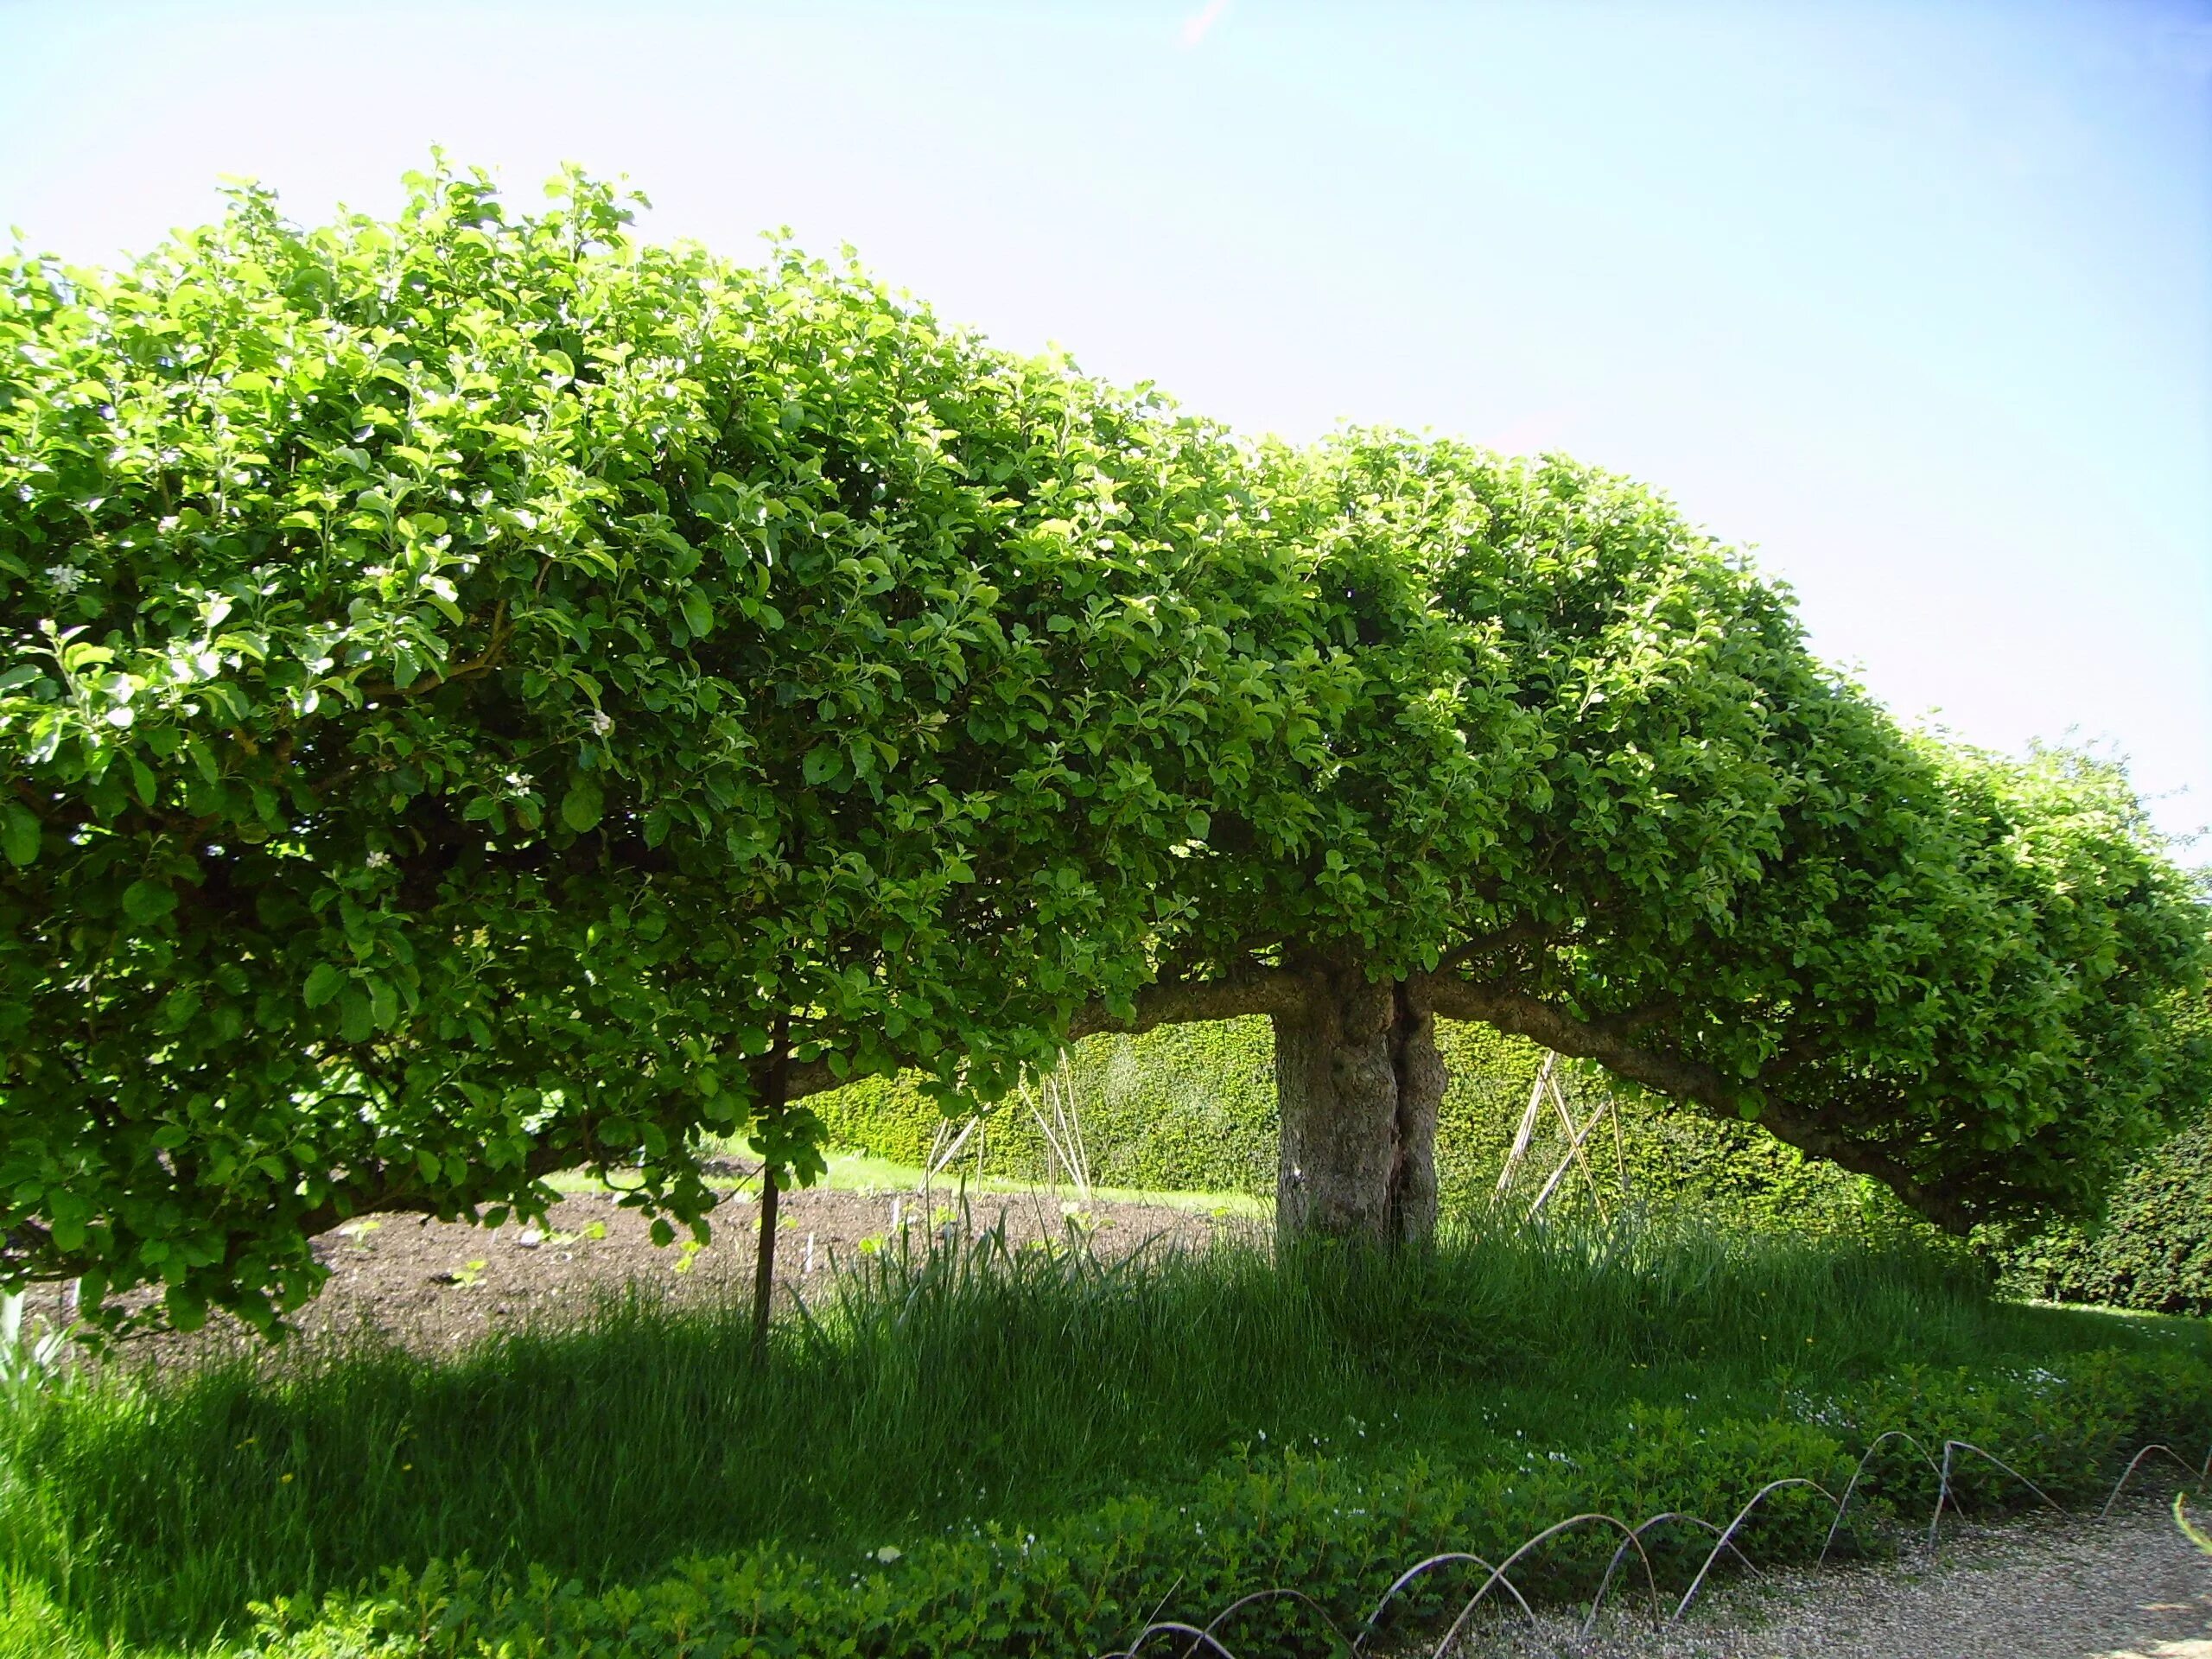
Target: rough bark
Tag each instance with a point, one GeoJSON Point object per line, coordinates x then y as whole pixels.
{"type": "Point", "coordinates": [1609, 1044]}
{"type": "Point", "coordinates": [1422, 1079]}
{"type": "Point", "coordinates": [1257, 990]}
{"type": "Point", "coordinates": [1359, 1080]}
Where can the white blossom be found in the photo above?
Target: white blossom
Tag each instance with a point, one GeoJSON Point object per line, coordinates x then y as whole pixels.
{"type": "Point", "coordinates": [65, 578]}
{"type": "Point", "coordinates": [378, 860]}
{"type": "Point", "coordinates": [601, 722]}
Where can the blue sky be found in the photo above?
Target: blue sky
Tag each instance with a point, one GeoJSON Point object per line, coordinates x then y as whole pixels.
{"type": "Point", "coordinates": [1916, 298]}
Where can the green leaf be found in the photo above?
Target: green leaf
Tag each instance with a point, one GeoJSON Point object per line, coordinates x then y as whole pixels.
{"type": "Point", "coordinates": [19, 835]}
{"type": "Point", "coordinates": [179, 1006]}
{"type": "Point", "coordinates": [582, 807]}
{"type": "Point", "coordinates": [188, 1309]}
{"type": "Point", "coordinates": [698, 615]}
{"type": "Point", "coordinates": [147, 902]}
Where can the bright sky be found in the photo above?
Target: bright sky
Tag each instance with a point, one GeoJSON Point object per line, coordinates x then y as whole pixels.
{"type": "Point", "coordinates": [1915, 297]}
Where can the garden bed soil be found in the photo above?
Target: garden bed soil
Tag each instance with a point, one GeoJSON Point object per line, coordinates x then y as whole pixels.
{"type": "Point", "coordinates": [434, 1286]}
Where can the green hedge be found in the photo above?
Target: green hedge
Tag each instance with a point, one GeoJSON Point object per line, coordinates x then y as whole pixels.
{"type": "Point", "coordinates": [1187, 1107]}
{"type": "Point", "coordinates": [1192, 1108]}
{"type": "Point", "coordinates": [2153, 1249]}
{"type": "Point", "coordinates": [1338, 1531]}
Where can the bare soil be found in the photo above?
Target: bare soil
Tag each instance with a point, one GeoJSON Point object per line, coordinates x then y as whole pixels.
{"type": "Point", "coordinates": [434, 1286]}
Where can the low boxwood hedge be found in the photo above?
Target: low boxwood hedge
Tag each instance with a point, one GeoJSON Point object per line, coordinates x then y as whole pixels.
{"type": "Point", "coordinates": [1338, 1531]}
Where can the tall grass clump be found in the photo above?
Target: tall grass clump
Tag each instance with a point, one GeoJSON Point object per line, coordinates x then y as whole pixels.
{"type": "Point", "coordinates": [930, 1392]}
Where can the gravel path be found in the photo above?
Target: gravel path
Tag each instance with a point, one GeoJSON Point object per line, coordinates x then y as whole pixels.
{"type": "Point", "coordinates": [2127, 1587]}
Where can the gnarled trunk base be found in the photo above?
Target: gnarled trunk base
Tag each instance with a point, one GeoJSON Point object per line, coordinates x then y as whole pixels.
{"type": "Point", "coordinates": [1359, 1080]}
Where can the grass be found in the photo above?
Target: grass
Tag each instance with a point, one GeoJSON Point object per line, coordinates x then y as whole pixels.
{"type": "Point", "coordinates": [932, 1395]}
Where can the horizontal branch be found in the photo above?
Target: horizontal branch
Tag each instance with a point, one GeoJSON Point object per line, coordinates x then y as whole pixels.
{"type": "Point", "coordinates": [802, 1078]}
{"type": "Point", "coordinates": [1176, 1004]}
{"type": "Point", "coordinates": [1607, 1043]}
{"type": "Point", "coordinates": [483, 662]}
{"type": "Point", "coordinates": [1524, 931]}
{"type": "Point", "coordinates": [1267, 990]}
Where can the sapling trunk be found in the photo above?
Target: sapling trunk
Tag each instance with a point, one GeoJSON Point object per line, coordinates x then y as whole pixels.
{"type": "Point", "coordinates": [764, 1269]}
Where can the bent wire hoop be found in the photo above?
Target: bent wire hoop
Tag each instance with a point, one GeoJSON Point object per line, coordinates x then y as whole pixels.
{"type": "Point", "coordinates": [1665, 1517]}
{"type": "Point", "coordinates": [1171, 1627]}
{"type": "Point", "coordinates": [1449, 1558]}
{"type": "Point", "coordinates": [1860, 1474]}
{"type": "Point", "coordinates": [1279, 1594]}
{"type": "Point", "coordinates": [2202, 1472]}
{"type": "Point", "coordinates": [1498, 1576]}
{"type": "Point", "coordinates": [1728, 1537]}
{"type": "Point", "coordinates": [1497, 1573]}
{"type": "Point", "coordinates": [1944, 1490]}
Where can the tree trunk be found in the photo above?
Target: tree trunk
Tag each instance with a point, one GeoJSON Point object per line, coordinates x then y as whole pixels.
{"type": "Point", "coordinates": [763, 1264]}
{"type": "Point", "coordinates": [1359, 1080]}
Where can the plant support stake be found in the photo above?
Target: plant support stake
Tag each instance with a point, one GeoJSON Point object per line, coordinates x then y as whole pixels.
{"type": "Point", "coordinates": [764, 1271]}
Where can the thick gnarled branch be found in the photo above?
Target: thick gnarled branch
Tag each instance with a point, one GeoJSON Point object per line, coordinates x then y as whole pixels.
{"type": "Point", "coordinates": [1266, 990]}
{"type": "Point", "coordinates": [1178, 1002]}
{"type": "Point", "coordinates": [1607, 1043]}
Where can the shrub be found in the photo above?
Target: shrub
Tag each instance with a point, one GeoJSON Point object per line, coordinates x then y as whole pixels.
{"type": "Point", "coordinates": [2152, 1250]}
{"type": "Point", "coordinates": [1336, 1530]}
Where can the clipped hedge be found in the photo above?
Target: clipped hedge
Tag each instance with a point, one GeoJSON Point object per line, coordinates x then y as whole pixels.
{"type": "Point", "coordinates": [1192, 1108]}
{"type": "Point", "coordinates": [1337, 1530]}
{"type": "Point", "coordinates": [1185, 1107]}
{"type": "Point", "coordinates": [2153, 1249]}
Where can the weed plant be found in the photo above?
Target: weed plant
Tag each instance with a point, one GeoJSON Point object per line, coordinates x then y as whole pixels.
{"type": "Point", "coordinates": [931, 1394]}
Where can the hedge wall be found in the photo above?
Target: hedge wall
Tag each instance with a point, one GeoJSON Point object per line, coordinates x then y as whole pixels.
{"type": "Point", "coordinates": [1193, 1107]}
{"type": "Point", "coordinates": [2153, 1249]}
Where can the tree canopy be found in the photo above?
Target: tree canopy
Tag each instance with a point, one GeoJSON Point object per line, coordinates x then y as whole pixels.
{"type": "Point", "coordinates": [470, 681]}
{"type": "Point", "coordinates": [1595, 791]}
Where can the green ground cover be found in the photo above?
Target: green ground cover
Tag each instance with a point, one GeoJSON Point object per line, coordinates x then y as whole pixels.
{"type": "Point", "coordinates": [1001, 1451]}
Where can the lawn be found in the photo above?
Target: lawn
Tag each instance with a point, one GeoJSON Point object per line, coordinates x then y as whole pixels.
{"type": "Point", "coordinates": [1024, 1451]}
